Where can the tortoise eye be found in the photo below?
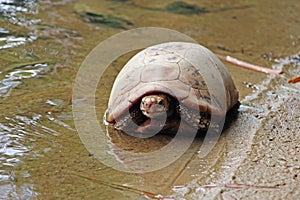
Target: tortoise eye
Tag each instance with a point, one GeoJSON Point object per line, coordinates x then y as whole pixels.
{"type": "Point", "coordinates": [161, 103]}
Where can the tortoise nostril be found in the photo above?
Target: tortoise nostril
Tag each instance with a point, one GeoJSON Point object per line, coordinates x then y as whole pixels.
{"type": "Point", "coordinates": [147, 104]}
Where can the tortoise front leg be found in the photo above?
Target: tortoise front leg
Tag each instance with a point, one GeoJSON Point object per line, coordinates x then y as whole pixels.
{"type": "Point", "coordinates": [199, 121]}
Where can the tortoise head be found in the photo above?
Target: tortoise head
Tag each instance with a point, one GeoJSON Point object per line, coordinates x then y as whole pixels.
{"type": "Point", "coordinates": [156, 105]}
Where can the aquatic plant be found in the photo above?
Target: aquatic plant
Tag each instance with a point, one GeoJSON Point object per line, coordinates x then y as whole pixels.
{"type": "Point", "coordinates": [179, 7]}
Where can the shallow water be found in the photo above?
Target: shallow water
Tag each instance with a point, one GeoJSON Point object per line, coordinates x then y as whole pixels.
{"type": "Point", "coordinates": [43, 43]}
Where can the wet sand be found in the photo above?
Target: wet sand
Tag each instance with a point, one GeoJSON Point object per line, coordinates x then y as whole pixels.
{"type": "Point", "coordinates": [261, 151]}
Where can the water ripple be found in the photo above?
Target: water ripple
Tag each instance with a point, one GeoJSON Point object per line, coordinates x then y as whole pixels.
{"type": "Point", "coordinates": [15, 133]}
{"type": "Point", "coordinates": [12, 41]}
{"type": "Point", "coordinates": [13, 78]}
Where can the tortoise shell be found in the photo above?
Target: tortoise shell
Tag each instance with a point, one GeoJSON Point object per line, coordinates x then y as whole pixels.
{"type": "Point", "coordinates": [167, 68]}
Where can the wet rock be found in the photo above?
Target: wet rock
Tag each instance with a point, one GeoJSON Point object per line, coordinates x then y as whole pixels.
{"type": "Point", "coordinates": [179, 7]}
{"type": "Point", "coordinates": [91, 16]}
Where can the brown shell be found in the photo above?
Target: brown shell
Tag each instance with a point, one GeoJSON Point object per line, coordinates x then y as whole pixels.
{"type": "Point", "coordinates": [167, 68]}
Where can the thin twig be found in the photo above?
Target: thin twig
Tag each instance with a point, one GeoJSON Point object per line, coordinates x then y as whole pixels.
{"type": "Point", "coordinates": [294, 80]}
{"type": "Point", "coordinates": [248, 65]}
{"type": "Point", "coordinates": [235, 185]}
{"type": "Point", "coordinates": [126, 188]}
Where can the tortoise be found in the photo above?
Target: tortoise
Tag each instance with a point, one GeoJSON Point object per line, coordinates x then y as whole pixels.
{"type": "Point", "coordinates": [159, 88]}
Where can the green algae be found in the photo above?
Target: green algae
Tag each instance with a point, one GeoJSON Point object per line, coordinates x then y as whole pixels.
{"type": "Point", "coordinates": [108, 20]}
{"type": "Point", "coordinates": [180, 7]}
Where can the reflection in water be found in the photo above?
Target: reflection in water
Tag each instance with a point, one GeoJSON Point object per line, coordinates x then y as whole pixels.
{"type": "Point", "coordinates": [15, 136]}
{"type": "Point", "coordinates": [12, 150]}
{"type": "Point", "coordinates": [13, 131]}
{"type": "Point", "coordinates": [11, 8]}
{"type": "Point", "coordinates": [12, 41]}
{"type": "Point", "coordinates": [133, 153]}
{"type": "Point", "coordinates": [13, 78]}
